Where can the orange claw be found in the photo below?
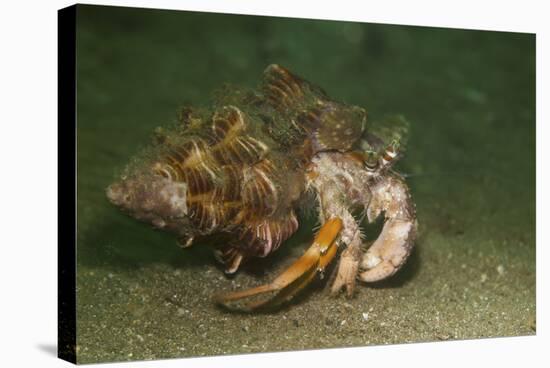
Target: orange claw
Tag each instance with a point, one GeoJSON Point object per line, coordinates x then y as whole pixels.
{"type": "Point", "coordinates": [293, 279]}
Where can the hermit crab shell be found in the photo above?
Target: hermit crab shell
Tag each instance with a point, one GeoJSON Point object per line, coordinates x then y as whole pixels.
{"type": "Point", "coordinates": [243, 163]}
{"type": "Point", "coordinates": [303, 109]}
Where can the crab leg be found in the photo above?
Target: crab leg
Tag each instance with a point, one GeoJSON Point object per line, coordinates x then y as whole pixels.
{"type": "Point", "coordinates": [293, 279]}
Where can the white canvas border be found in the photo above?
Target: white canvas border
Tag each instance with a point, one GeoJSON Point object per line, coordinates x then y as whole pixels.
{"type": "Point", "coordinates": [29, 160]}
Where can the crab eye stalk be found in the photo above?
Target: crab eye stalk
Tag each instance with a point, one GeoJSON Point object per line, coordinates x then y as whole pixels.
{"type": "Point", "coordinates": [371, 161]}
{"type": "Point", "coordinates": [389, 154]}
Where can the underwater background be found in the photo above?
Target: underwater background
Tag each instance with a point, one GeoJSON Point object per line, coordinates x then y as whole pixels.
{"type": "Point", "coordinates": [470, 162]}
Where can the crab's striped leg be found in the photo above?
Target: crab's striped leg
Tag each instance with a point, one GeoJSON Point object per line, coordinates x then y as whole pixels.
{"type": "Point", "coordinates": [293, 279]}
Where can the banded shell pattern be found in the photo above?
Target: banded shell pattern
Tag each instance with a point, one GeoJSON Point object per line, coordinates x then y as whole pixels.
{"type": "Point", "coordinates": [245, 163]}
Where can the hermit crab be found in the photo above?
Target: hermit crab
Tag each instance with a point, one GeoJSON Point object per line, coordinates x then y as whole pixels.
{"type": "Point", "coordinates": [242, 168]}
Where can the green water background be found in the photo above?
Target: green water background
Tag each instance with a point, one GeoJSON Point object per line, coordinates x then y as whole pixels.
{"type": "Point", "coordinates": [470, 98]}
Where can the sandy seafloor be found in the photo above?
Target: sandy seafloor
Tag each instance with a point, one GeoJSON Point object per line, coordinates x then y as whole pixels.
{"type": "Point", "coordinates": [470, 97]}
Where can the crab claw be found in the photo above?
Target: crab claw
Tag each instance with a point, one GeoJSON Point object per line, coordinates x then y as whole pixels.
{"type": "Point", "coordinates": [395, 243]}
{"type": "Point", "coordinates": [293, 279]}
